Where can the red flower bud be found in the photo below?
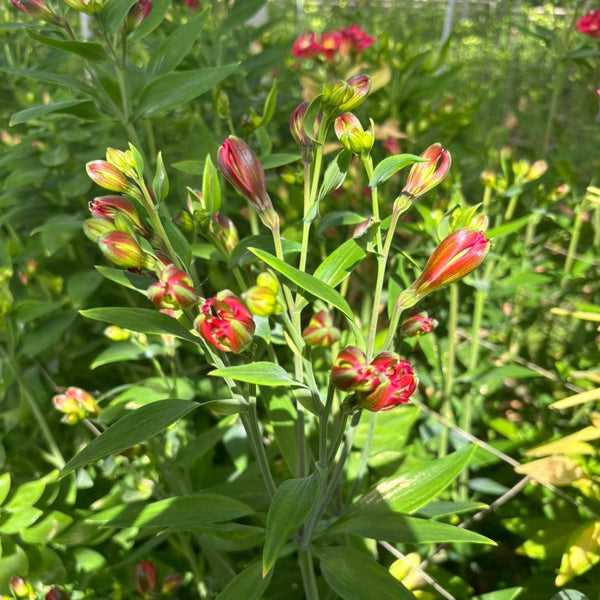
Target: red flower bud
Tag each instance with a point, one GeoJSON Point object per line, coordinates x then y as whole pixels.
{"type": "Point", "coordinates": [225, 323]}
{"type": "Point", "coordinates": [351, 372]}
{"type": "Point", "coordinates": [137, 13]}
{"type": "Point", "coordinates": [173, 290]}
{"type": "Point", "coordinates": [76, 404]}
{"type": "Point", "coordinates": [455, 257]}
{"type": "Point", "coordinates": [590, 24]}
{"type": "Point", "coordinates": [418, 324]}
{"type": "Point", "coordinates": [171, 584]}
{"type": "Point", "coordinates": [297, 127]}
{"type": "Point", "coordinates": [145, 578]}
{"type": "Point", "coordinates": [225, 230]}
{"type": "Point", "coordinates": [109, 207]}
{"type": "Point", "coordinates": [108, 176]}
{"type": "Point", "coordinates": [424, 176]}
{"type": "Point", "coordinates": [396, 383]}
{"type": "Point", "coordinates": [244, 172]}
{"type": "Point", "coordinates": [36, 9]}
{"type": "Point", "coordinates": [57, 593]}
{"type": "Point", "coordinates": [21, 587]}
{"type": "Point", "coordinates": [321, 330]}
{"type": "Point", "coordinates": [121, 249]}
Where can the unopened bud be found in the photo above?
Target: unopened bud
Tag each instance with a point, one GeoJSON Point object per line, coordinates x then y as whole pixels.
{"type": "Point", "coordinates": [321, 330]}
{"type": "Point", "coordinates": [21, 587]}
{"type": "Point", "coordinates": [94, 229]}
{"type": "Point", "coordinates": [262, 299]}
{"type": "Point", "coordinates": [108, 176]}
{"type": "Point", "coordinates": [352, 136]}
{"type": "Point", "coordinates": [344, 96]}
{"type": "Point", "coordinates": [418, 324]}
{"type": "Point", "coordinates": [424, 176]}
{"type": "Point", "coordinates": [57, 593]}
{"type": "Point", "coordinates": [173, 290]}
{"type": "Point", "coordinates": [225, 230]}
{"type": "Point", "coordinates": [36, 9]}
{"type": "Point", "coordinates": [171, 584]}
{"type": "Point", "coordinates": [537, 169]}
{"type": "Point", "coordinates": [145, 578]}
{"type": "Point", "coordinates": [89, 7]}
{"type": "Point", "coordinates": [121, 249]}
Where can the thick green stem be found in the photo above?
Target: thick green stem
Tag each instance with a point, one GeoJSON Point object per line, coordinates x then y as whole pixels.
{"type": "Point", "coordinates": [311, 591]}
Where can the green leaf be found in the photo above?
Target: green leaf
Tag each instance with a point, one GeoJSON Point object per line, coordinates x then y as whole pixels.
{"type": "Point", "coordinates": [272, 161]}
{"type": "Point", "coordinates": [4, 486]}
{"type": "Point", "coordinates": [88, 50]}
{"type": "Point", "coordinates": [380, 523]}
{"type": "Point", "coordinates": [180, 513]}
{"type": "Point", "coordinates": [118, 352]}
{"type": "Point", "coordinates": [49, 77]}
{"type": "Point", "coordinates": [133, 281]}
{"type": "Point", "coordinates": [35, 112]}
{"type": "Point", "coordinates": [354, 575]}
{"type": "Point", "coordinates": [48, 334]}
{"type": "Point", "coordinates": [142, 320]}
{"type": "Point", "coordinates": [175, 89]}
{"type": "Point", "coordinates": [13, 521]}
{"type": "Point", "coordinates": [435, 510]}
{"type": "Point", "coordinates": [507, 594]}
{"type": "Point", "coordinates": [313, 286]}
{"type": "Point", "coordinates": [179, 241]}
{"type": "Point", "coordinates": [568, 595]}
{"type": "Point", "coordinates": [114, 12]}
{"type": "Point", "coordinates": [337, 218]}
{"type": "Point", "coordinates": [269, 107]}
{"type": "Point", "coordinates": [391, 165]}
{"type": "Point", "coordinates": [249, 584]}
{"type": "Point", "coordinates": [242, 255]}
{"type": "Point", "coordinates": [340, 263]}
{"type": "Point", "coordinates": [134, 428]}
{"type": "Point", "coordinates": [241, 12]}
{"type": "Point", "coordinates": [417, 488]}
{"type": "Point", "coordinates": [176, 46]}
{"type": "Point", "coordinates": [335, 174]}
{"type": "Point", "coordinates": [47, 529]}
{"type": "Point", "coordinates": [507, 228]}
{"type": "Point", "coordinates": [290, 506]}
{"type": "Point", "coordinates": [27, 494]}
{"type": "Point", "coordinates": [160, 183]}
{"type": "Point", "coordinates": [259, 373]}
{"type": "Point", "coordinates": [29, 310]}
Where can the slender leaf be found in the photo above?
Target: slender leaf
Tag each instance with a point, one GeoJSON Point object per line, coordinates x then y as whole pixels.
{"type": "Point", "coordinates": [142, 320]}
{"type": "Point", "coordinates": [272, 161]}
{"type": "Point", "coordinates": [335, 174]}
{"type": "Point", "coordinates": [13, 521]}
{"type": "Point", "coordinates": [249, 584]}
{"type": "Point", "coordinates": [48, 77]}
{"type": "Point", "coordinates": [312, 285]}
{"type": "Point", "coordinates": [47, 334]}
{"type": "Point", "coordinates": [177, 46]}
{"type": "Point", "coordinates": [259, 373]}
{"type": "Point", "coordinates": [507, 228]}
{"type": "Point", "coordinates": [417, 488]}
{"type": "Point", "coordinates": [180, 513]}
{"type": "Point", "coordinates": [134, 428]}
{"type": "Point", "coordinates": [211, 188]}
{"type": "Point", "coordinates": [289, 508]}
{"type": "Point", "coordinates": [89, 50]}
{"type": "Point", "coordinates": [4, 486]}
{"type": "Point", "coordinates": [241, 12]}
{"type": "Point", "coordinates": [507, 594]}
{"type": "Point", "coordinates": [340, 263]}
{"type": "Point", "coordinates": [160, 183]}
{"type": "Point", "coordinates": [114, 12]}
{"type": "Point", "coordinates": [269, 107]}
{"type": "Point", "coordinates": [242, 254]}
{"type": "Point", "coordinates": [133, 281]}
{"type": "Point", "coordinates": [391, 165]}
{"type": "Point", "coordinates": [170, 91]}
{"type": "Point", "coordinates": [354, 575]}
{"type": "Point", "coordinates": [35, 112]}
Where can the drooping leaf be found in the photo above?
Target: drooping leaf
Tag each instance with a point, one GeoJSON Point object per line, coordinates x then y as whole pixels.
{"type": "Point", "coordinates": [259, 373]}
{"type": "Point", "coordinates": [174, 89]}
{"type": "Point", "coordinates": [89, 50]}
{"type": "Point", "coordinates": [272, 161]}
{"type": "Point", "coordinates": [134, 428]}
{"type": "Point", "coordinates": [391, 165]}
{"type": "Point", "coordinates": [241, 12]}
{"type": "Point", "coordinates": [568, 595]}
{"type": "Point", "coordinates": [179, 513]}
{"type": "Point", "coordinates": [133, 281]}
{"type": "Point", "coordinates": [35, 112]}
{"type": "Point", "coordinates": [142, 320]}
{"type": "Point", "coordinates": [340, 263]}
{"type": "Point", "coordinates": [354, 575]}
{"type": "Point", "coordinates": [582, 553]}
{"type": "Point", "coordinates": [248, 584]}
{"type": "Point", "coordinates": [242, 255]}
{"type": "Point", "coordinates": [289, 508]}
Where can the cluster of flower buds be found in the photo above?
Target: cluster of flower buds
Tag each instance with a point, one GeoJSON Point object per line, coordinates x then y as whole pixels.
{"type": "Point", "coordinates": [174, 289]}
{"type": "Point", "coordinates": [76, 404]}
{"type": "Point", "coordinates": [351, 40]}
{"type": "Point", "coordinates": [89, 7]}
{"type": "Point", "coordinates": [382, 384]}
{"type": "Point", "coordinates": [38, 9]}
{"type": "Point", "coordinates": [225, 323]}
{"type": "Point", "coordinates": [590, 24]}
{"type": "Point", "coordinates": [321, 330]}
{"type": "Point", "coordinates": [523, 171]}
{"type": "Point", "coordinates": [424, 176]}
{"type": "Point", "coordinates": [146, 581]}
{"type": "Point", "coordinates": [262, 298]}
{"type": "Point", "coordinates": [352, 136]}
{"type": "Point", "coordinates": [418, 324]}
{"type": "Point", "coordinates": [343, 96]}
{"type": "Point", "coordinates": [242, 168]}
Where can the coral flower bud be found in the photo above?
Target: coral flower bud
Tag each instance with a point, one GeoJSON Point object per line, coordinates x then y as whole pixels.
{"type": "Point", "coordinates": [94, 229]}
{"type": "Point", "coordinates": [121, 249]}
{"type": "Point", "coordinates": [109, 207]}
{"type": "Point", "coordinates": [173, 290]}
{"type": "Point", "coordinates": [225, 323]}
{"type": "Point", "coordinates": [321, 330]}
{"type": "Point", "coordinates": [108, 176]}
{"type": "Point", "coordinates": [352, 136]}
{"type": "Point", "coordinates": [297, 128]}
{"type": "Point", "coordinates": [262, 299]}
{"type": "Point", "coordinates": [351, 372]}
{"type": "Point", "coordinates": [243, 170]}
{"type": "Point", "coordinates": [137, 13]}
{"type": "Point", "coordinates": [424, 176]}
{"type": "Point", "coordinates": [36, 9]}
{"type": "Point", "coordinates": [396, 383]}
{"type": "Point", "coordinates": [455, 257]}
{"type": "Point", "coordinates": [418, 324]}
{"type": "Point", "coordinates": [145, 578]}
{"type": "Point", "coordinates": [57, 593]}
{"type": "Point", "coordinates": [21, 587]}
{"type": "Point", "coordinates": [537, 169]}
{"type": "Point", "coordinates": [76, 404]}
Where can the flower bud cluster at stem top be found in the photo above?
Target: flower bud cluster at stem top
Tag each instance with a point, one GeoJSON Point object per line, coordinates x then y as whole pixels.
{"type": "Point", "coordinates": [382, 384]}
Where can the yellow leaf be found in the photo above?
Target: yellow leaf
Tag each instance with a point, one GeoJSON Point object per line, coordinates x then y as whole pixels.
{"type": "Point", "coordinates": [570, 444]}
{"type": "Point", "coordinates": [583, 552]}
{"type": "Point", "coordinates": [556, 470]}
{"type": "Point", "coordinates": [577, 399]}
{"type": "Point", "coordinates": [577, 314]}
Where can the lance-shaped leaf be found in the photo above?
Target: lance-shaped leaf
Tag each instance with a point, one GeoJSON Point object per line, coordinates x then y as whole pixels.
{"type": "Point", "coordinates": [391, 165]}
{"type": "Point", "coordinates": [259, 373]}
{"type": "Point", "coordinates": [248, 584]}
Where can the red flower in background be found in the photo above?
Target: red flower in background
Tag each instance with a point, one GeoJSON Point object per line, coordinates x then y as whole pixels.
{"type": "Point", "coordinates": [590, 24]}
{"type": "Point", "coordinates": [351, 40]}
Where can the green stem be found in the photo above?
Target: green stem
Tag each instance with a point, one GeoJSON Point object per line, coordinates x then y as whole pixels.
{"type": "Point", "coordinates": [311, 591]}
{"type": "Point", "coordinates": [574, 241]}
{"type": "Point", "coordinates": [364, 458]}
{"type": "Point", "coordinates": [324, 424]}
{"type": "Point", "coordinates": [450, 367]}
